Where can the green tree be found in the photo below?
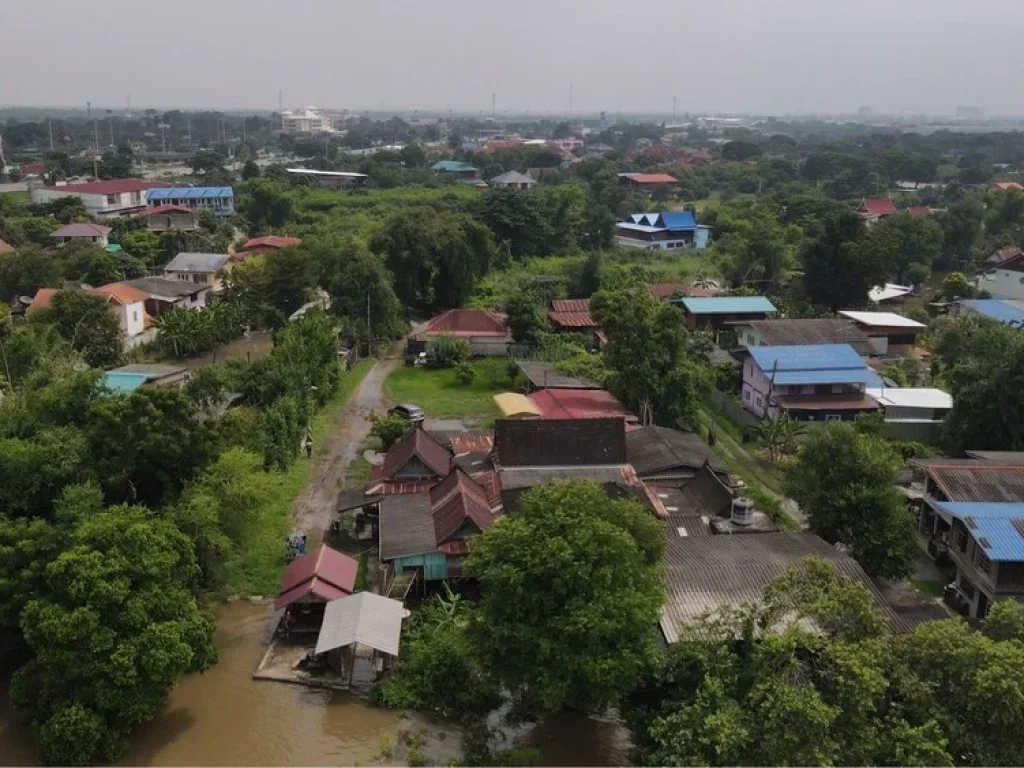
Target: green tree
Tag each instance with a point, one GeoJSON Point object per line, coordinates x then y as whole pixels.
{"type": "Point", "coordinates": [956, 286]}
{"type": "Point", "coordinates": [649, 351]}
{"type": "Point", "coordinates": [292, 274]}
{"type": "Point", "coordinates": [838, 269]}
{"type": "Point", "coordinates": [843, 481]}
{"type": "Point", "coordinates": [902, 241]}
{"type": "Point", "coordinates": [25, 272]}
{"type": "Point", "coordinates": [389, 429]}
{"type": "Point", "coordinates": [112, 632]}
{"type": "Point", "coordinates": [358, 281]}
{"type": "Point", "coordinates": [88, 323]}
{"type": "Point", "coordinates": [413, 156]}
{"type": "Point", "coordinates": [144, 245]}
{"type": "Point", "coordinates": [265, 205]}
{"type": "Point", "coordinates": [34, 470]}
{"type": "Point", "coordinates": [571, 591]}
{"type": "Point", "coordinates": [250, 170]}
{"type": "Point", "coordinates": [526, 318]}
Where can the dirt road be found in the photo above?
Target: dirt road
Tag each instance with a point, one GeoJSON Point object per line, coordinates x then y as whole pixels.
{"type": "Point", "coordinates": [314, 508]}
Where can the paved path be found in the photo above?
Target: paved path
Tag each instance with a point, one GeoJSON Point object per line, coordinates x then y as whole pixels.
{"type": "Point", "coordinates": [315, 507]}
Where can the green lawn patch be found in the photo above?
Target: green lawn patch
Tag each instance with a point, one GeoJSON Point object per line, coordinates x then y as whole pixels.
{"type": "Point", "coordinates": [257, 570]}
{"type": "Point", "coordinates": [437, 392]}
{"type": "Point", "coordinates": [929, 588]}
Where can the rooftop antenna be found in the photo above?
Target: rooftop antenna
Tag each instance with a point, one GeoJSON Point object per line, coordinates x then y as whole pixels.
{"type": "Point", "coordinates": [570, 99]}
{"type": "Point", "coordinates": [96, 140]}
{"type": "Point", "coordinates": [49, 124]}
{"type": "Point", "coordinates": [673, 109]}
{"type": "Point", "coordinates": [280, 107]}
{"type": "Point", "coordinates": [492, 104]}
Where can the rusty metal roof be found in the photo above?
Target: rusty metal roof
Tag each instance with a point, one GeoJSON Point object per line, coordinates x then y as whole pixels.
{"type": "Point", "coordinates": [979, 482]}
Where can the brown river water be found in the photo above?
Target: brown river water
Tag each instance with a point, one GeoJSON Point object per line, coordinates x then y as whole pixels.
{"type": "Point", "coordinates": [224, 717]}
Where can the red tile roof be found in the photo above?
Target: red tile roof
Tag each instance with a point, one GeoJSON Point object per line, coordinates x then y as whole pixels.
{"type": "Point", "coordinates": [1005, 186]}
{"type": "Point", "coordinates": [570, 305]}
{"type": "Point", "coordinates": [422, 446]}
{"type": "Point", "coordinates": [877, 207]}
{"type": "Point", "coordinates": [455, 501]}
{"type": "Point", "coordinates": [6, 247]}
{"type": "Point", "coordinates": [121, 293]}
{"type": "Point", "coordinates": [580, 404]}
{"type": "Point", "coordinates": [651, 178]}
{"type": "Point", "coordinates": [466, 322]}
{"type": "Point", "coordinates": [33, 169]}
{"type": "Point", "coordinates": [42, 300]}
{"type": "Point", "coordinates": [271, 242]}
{"type": "Point", "coordinates": [325, 572]}
{"type": "Point", "coordinates": [112, 187]}
{"type": "Point", "coordinates": [82, 229]}
{"type": "Point", "coordinates": [156, 210]}
{"type": "Point", "coordinates": [572, 319]}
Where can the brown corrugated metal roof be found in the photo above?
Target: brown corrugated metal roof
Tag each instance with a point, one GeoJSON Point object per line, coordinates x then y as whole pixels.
{"type": "Point", "coordinates": [572, 319]}
{"type": "Point", "coordinates": [417, 443]}
{"type": "Point", "coordinates": [466, 322]}
{"type": "Point", "coordinates": [455, 501]}
{"type": "Point", "coordinates": [570, 305]}
{"type": "Point", "coordinates": [813, 331]}
{"type": "Point", "coordinates": [323, 570]}
{"type": "Point", "coordinates": [706, 573]}
{"type": "Point", "coordinates": [406, 526]}
{"type": "Point", "coordinates": [560, 442]}
{"type": "Point", "coordinates": [541, 375]}
{"type": "Point", "coordinates": [657, 450]}
{"type": "Point", "coordinates": [979, 481]}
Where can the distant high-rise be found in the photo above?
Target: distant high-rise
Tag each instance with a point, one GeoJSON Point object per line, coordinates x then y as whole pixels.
{"type": "Point", "coordinates": [970, 113]}
{"type": "Point", "coordinates": [311, 120]}
{"type": "Point", "coordinates": [864, 112]}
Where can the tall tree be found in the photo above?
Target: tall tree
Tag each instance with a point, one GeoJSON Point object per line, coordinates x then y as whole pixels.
{"type": "Point", "coordinates": [843, 481]}
{"type": "Point", "coordinates": [358, 282]}
{"type": "Point", "coordinates": [571, 593]}
{"type": "Point", "coordinates": [838, 270]}
{"type": "Point", "coordinates": [112, 632]}
{"type": "Point", "coordinates": [89, 324]}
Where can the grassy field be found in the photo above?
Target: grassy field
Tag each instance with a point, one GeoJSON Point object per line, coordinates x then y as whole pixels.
{"type": "Point", "coordinates": [929, 588]}
{"type": "Point", "coordinates": [257, 571]}
{"type": "Point", "coordinates": [436, 391]}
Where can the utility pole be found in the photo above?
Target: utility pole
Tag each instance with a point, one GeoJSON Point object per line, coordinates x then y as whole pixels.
{"type": "Point", "coordinates": [570, 100]}
{"type": "Point", "coordinates": [492, 104]}
{"type": "Point", "coordinates": [188, 128]}
{"type": "Point", "coordinates": [96, 142]}
{"type": "Point", "coordinates": [49, 124]}
{"type": "Point", "coordinates": [673, 109]}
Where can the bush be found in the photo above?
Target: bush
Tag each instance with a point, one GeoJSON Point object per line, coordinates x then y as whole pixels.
{"type": "Point", "coordinates": [388, 429]}
{"type": "Point", "coordinates": [447, 352]}
{"type": "Point", "coordinates": [464, 374]}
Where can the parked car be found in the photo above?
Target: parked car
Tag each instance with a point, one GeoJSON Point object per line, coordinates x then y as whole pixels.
{"type": "Point", "coordinates": [409, 411]}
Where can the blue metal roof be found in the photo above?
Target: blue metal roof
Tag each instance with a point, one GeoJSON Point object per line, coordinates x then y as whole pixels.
{"type": "Point", "coordinates": [124, 382]}
{"type": "Point", "coordinates": [724, 305]}
{"type": "Point", "coordinates": [452, 166]}
{"type": "Point", "coordinates": [996, 309]}
{"type": "Point", "coordinates": [678, 220]}
{"type": "Point", "coordinates": [838, 376]}
{"type": "Point", "coordinates": [188, 193]}
{"type": "Point", "coordinates": [813, 364]}
{"type": "Point", "coordinates": [997, 526]}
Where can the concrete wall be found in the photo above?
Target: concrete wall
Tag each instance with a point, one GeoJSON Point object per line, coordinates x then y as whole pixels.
{"type": "Point", "coordinates": [1003, 284]}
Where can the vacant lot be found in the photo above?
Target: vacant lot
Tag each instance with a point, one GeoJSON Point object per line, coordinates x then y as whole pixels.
{"type": "Point", "coordinates": [441, 396]}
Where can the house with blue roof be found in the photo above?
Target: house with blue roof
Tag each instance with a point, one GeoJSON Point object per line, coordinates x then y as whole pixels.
{"type": "Point", "coordinates": [219, 200]}
{"type": "Point", "coordinates": [721, 312]}
{"type": "Point", "coordinates": [809, 382]}
{"type": "Point", "coordinates": [1006, 311]}
{"type": "Point", "coordinates": [667, 230]}
{"type": "Point", "coordinates": [456, 168]}
{"type": "Point", "coordinates": [986, 544]}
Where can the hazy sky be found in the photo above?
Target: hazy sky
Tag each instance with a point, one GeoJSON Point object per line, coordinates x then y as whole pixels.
{"type": "Point", "coordinates": [769, 56]}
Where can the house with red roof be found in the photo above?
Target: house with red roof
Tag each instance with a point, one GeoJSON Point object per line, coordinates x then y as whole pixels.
{"type": "Point", "coordinates": [872, 210]}
{"type": "Point", "coordinates": [582, 404]}
{"type": "Point", "coordinates": [82, 231]}
{"type": "Point", "coordinates": [573, 316]}
{"type": "Point", "coordinates": [102, 199]}
{"type": "Point", "coordinates": [919, 210]}
{"type": "Point", "coordinates": [309, 583]}
{"type": "Point", "coordinates": [257, 245]}
{"type": "Point", "coordinates": [125, 301]}
{"type": "Point", "coordinates": [487, 332]}
{"type": "Point", "coordinates": [649, 182]}
{"type": "Point", "coordinates": [6, 247]}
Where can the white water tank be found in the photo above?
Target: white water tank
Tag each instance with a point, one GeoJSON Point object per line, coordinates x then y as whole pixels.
{"type": "Point", "coordinates": [742, 512]}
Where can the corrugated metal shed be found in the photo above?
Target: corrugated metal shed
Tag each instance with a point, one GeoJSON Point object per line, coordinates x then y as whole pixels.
{"type": "Point", "coordinates": [707, 573]}
{"type": "Point", "coordinates": [365, 618]}
{"type": "Point", "coordinates": [726, 305]}
{"type": "Point", "coordinates": [189, 193]}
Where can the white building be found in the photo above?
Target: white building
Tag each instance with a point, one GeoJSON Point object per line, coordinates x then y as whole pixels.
{"type": "Point", "coordinates": [912, 404]}
{"type": "Point", "coordinates": [311, 120]}
{"type": "Point", "coordinates": [1004, 280]}
{"type": "Point", "coordinates": [102, 199]}
{"type": "Point", "coordinates": [199, 269]}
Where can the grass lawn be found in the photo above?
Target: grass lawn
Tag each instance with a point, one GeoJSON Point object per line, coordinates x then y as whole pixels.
{"type": "Point", "coordinates": [929, 588]}
{"type": "Point", "coordinates": [257, 570]}
{"type": "Point", "coordinates": [436, 391]}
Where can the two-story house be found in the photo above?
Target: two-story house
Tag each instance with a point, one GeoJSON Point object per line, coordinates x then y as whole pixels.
{"type": "Point", "coordinates": [666, 230]}
{"type": "Point", "coordinates": [1004, 280]}
{"type": "Point", "coordinates": [116, 197]}
{"type": "Point", "coordinates": [987, 547]}
{"type": "Point", "coordinates": [888, 333]}
{"type": "Point", "coordinates": [218, 200]}
{"type": "Point", "coordinates": [722, 312]}
{"type": "Point", "coordinates": [812, 382]}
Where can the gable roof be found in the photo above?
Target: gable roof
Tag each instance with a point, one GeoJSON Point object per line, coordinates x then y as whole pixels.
{"type": "Point", "coordinates": [452, 166]}
{"type": "Point", "coordinates": [6, 247]}
{"type": "Point", "coordinates": [674, 221]}
{"type": "Point", "coordinates": [122, 293]}
{"type": "Point", "coordinates": [919, 210]}
{"type": "Point", "coordinates": [650, 178]}
{"type": "Point", "coordinates": [997, 527]}
{"type": "Point", "coordinates": [655, 450]}
{"type": "Point", "coordinates": [455, 501]}
{"type": "Point", "coordinates": [976, 481]}
{"type": "Point", "coordinates": [514, 177]}
{"type": "Point", "coordinates": [271, 241]}
{"type": "Point", "coordinates": [406, 525]}
{"type": "Point", "coordinates": [325, 572]}
{"type": "Point", "coordinates": [559, 442]}
{"type": "Point", "coordinates": [877, 207]}
{"type": "Point", "coordinates": [164, 288]}
{"type": "Point", "coordinates": [197, 262]}
{"type": "Point", "coordinates": [580, 404]}
{"type": "Point", "coordinates": [365, 618]}
{"type": "Point", "coordinates": [570, 305]}
{"type": "Point", "coordinates": [811, 331]}
{"type": "Point", "coordinates": [1005, 186]}
{"type": "Point", "coordinates": [82, 229]}
{"type": "Point", "coordinates": [726, 305]}
{"type": "Point", "coordinates": [157, 210]}
{"type": "Point", "coordinates": [669, 290]}
{"type": "Point", "coordinates": [813, 364]}
{"type": "Point", "coordinates": [466, 322]}
{"type": "Point", "coordinates": [881, 319]}
{"type": "Point", "coordinates": [417, 443]}
{"type": "Point", "coordinates": [42, 300]}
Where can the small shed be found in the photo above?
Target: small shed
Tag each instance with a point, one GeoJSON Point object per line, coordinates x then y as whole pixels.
{"type": "Point", "coordinates": [516, 406]}
{"type": "Point", "coordinates": [364, 627]}
{"type": "Point", "coordinates": [311, 581]}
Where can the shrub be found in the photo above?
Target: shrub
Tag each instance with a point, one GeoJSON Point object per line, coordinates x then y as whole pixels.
{"type": "Point", "coordinates": [388, 429]}
{"type": "Point", "coordinates": [464, 374]}
{"type": "Point", "coordinates": [447, 352]}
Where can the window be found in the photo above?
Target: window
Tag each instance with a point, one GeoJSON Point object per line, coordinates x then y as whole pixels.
{"type": "Point", "coordinates": [759, 401]}
{"type": "Point", "coordinates": [833, 417]}
{"type": "Point", "coordinates": [111, 199]}
{"type": "Point", "coordinates": [984, 564]}
{"type": "Point", "coordinates": [960, 538]}
{"type": "Point", "coordinates": [135, 315]}
{"type": "Point", "coordinates": [746, 395]}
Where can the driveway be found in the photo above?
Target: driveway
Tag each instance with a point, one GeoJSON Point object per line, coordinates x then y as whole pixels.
{"type": "Point", "coordinates": [314, 509]}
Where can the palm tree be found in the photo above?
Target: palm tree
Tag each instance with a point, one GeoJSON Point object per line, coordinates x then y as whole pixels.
{"type": "Point", "coordinates": [778, 436]}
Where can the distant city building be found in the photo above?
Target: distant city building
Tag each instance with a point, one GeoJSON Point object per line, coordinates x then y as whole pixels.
{"type": "Point", "coordinates": [864, 112]}
{"type": "Point", "coordinates": [311, 120]}
{"type": "Point", "coordinates": [970, 113]}
{"type": "Point", "coordinates": [117, 197]}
